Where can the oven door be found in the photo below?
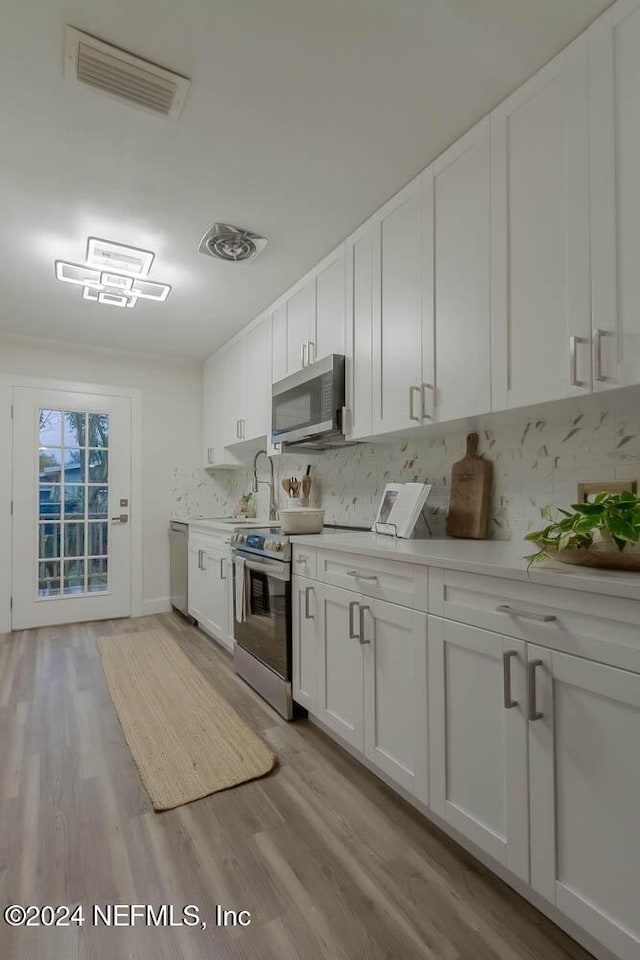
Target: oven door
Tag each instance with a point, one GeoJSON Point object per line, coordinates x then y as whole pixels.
{"type": "Point", "coordinates": [262, 611]}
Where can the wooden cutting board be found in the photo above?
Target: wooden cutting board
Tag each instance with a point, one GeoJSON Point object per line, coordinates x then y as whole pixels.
{"type": "Point", "coordinates": [470, 497]}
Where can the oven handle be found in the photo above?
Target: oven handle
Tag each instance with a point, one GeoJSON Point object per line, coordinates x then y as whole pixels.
{"type": "Point", "coordinates": [269, 568]}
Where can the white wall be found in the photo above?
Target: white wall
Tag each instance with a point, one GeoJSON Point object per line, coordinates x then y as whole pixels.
{"type": "Point", "coordinates": [171, 436]}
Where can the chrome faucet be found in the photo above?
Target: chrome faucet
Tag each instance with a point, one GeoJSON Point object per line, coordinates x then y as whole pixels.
{"type": "Point", "coordinates": [273, 506]}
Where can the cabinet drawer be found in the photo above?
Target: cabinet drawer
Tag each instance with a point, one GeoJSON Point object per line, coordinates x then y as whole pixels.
{"type": "Point", "coordinates": [589, 625]}
{"type": "Point", "coordinates": [403, 583]}
{"type": "Point", "coordinates": [210, 541]}
{"type": "Point", "coordinates": [304, 560]}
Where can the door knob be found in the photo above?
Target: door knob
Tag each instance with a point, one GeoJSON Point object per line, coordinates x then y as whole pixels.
{"type": "Point", "coordinates": [122, 518]}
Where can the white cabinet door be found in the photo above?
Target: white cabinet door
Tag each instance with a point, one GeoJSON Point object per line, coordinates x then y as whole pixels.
{"type": "Point", "coordinates": [397, 312]}
{"type": "Point", "coordinates": [395, 692]}
{"type": "Point", "coordinates": [197, 584]}
{"type": "Point", "coordinates": [279, 343]}
{"type": "Point", "coordinates": [330, 299]}
{"type": "Point", "coordinates": [212, 394]}
{"type": "Point", "coordinates": [257, 417]}
{"type": "Point", "coordinates": [614, 94]}
{"type": "Point", "coordinates": [359, 331]}
{"type": "Point", "coordinates": [457, 301]}
{"type": "Point", "coordinates": [305, 603]}
{"type": "Point", "coordinates": [478, 738]}
{"type": "Point", "coordinates": [585, 795]}
{"type": "Point", "coordinates": [233, 362]}
{"type": "Point", "coordinates": [217, 569]}
{"type": "Point", "coordinates": [301, 326]}
{"type": "Point", "coordinates": [541, 332]}
{"type": "Point", "coordinates": [340, 665]}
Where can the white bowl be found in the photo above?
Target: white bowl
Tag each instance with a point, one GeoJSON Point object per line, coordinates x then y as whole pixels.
{"type": "Point", "coordinates": [301, 520]}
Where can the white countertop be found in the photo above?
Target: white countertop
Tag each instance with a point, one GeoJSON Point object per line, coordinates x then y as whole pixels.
{"type": "Point", "coordinates": [496, 558]}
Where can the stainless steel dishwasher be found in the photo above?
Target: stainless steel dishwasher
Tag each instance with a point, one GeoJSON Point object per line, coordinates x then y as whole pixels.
{"type": "Point", "coordinates": [179, 565]}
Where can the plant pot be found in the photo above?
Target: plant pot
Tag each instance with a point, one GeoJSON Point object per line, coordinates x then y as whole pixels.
{"type": "Point", "coordinates": [602, 553]}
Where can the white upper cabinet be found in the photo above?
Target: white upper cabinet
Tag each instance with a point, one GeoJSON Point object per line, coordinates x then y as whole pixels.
{"type": "Point", "coordinates": [397, 311]}
{"type": "Point", "coordinates": [257, 415]}
{"type": "Point", "coordinates": [457, 294]}
{"type": "Point", "coordinates": [235, 392]}
{"type": "Point", "coordinates": [614, 95]}
{"type": "Point", "coordinates": [584, 732]}
{"type": "Point", "coordinates": [359, 331]}
{"type": "Point", "coordinates": [279, 343]}
{"type": "Point", "coordinates": [330, 305]}
{"type": "Point", "coordinates": [301, 325]}
{"type": "Point", "coordinates": [541, 332]}
{"type": "Point", "coordinates": [216, 374]}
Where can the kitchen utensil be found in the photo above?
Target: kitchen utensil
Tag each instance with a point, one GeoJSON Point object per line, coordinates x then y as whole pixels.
{"type": "Point", "coordinates": [295, 486]}
{"type": "Point", "coordinates": [305, 486]}
{"type": "Point", "coordinates": [286, 486]}
{"type": "Point", "coordinates": [301, 520]}
{"type": "Point", "coordinates": [470, 494]}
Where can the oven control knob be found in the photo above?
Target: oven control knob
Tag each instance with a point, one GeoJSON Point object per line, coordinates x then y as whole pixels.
{"type": "Point", "coordinates": [268, 544]}
{"type": "Point", "coordinates": [277, 544]}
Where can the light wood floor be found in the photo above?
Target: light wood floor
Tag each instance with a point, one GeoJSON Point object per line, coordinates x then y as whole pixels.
{"type": "Point", "coordinates": [329, 862]}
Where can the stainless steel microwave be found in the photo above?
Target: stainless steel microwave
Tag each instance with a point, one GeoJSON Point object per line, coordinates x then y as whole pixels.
{"type": "Point", "coordinates": [308, 406]}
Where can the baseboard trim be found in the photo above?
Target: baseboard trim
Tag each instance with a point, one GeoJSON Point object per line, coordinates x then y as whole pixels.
{"type": "Point", "coordinates": [155, 605]}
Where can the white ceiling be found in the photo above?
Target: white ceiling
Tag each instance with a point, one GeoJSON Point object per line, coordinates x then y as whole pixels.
{"type": "Point", "coordinates": [303, 117]}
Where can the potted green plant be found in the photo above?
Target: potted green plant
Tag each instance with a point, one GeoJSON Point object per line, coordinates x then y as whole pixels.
{"type": "Point", "coordinates": [245, 506]}
{"type": "Point", "coordinates": [604, 532]}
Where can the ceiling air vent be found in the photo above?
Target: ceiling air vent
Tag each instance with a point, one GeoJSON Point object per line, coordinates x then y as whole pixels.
{"type": "Point", "coordinates": [120, 74]}
{"type": "Point", "coordinates": [233, 244]}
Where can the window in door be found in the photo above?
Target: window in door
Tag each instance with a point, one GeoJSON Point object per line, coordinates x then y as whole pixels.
{"type": "Point", "coordinates": [73, 503]}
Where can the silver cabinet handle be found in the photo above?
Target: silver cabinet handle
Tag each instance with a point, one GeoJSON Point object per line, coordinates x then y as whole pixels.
{"type": "Point", "coordinates": [362, 637]}
{"type": "Point", "coordinates": [223, 570]}
{"type": "Point", "coordinates": [311, 351]}
{"type": "Point", "coordinates": [509, 702]}
{"type": "Point", "coordinates": [121, 518]}
{"type": "Point", "coordinates": [573, 361]}
{"type": "Point", "coordinates": [304, 353]}
{"type": "Point", "coordinates": [534, 713]}
{"type": "Point", "coordinates": [301, 560]}
{"type": "Point", "coordinates": [525, 614]}
{"type": "Point", "coordinates": [307, 594]}
{"type": "Point", "coordinates": [412, 415]}
{"type": "Point", "coordinates": [597, 355]}
{"type": "Point", "coordinates": [210, 454]}
{"type": "Point", "coordinates": [361, 576]}
{"type": "Point", "coordinates": [352, 633]}
{"type": "Point", "coordinates": [204, 560]}
{"type": "Point", "coordinates": [425, 389]}
{"type": "Point", "coordinates": [200, 559]}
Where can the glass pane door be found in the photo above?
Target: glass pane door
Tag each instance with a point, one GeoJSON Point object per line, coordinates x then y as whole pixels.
{"type": "Point", "coordinates": [73, 503]}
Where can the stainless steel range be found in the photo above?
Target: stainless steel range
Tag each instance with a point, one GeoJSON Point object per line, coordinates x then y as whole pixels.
{"type": "Point", "coordinates": [262, 614]}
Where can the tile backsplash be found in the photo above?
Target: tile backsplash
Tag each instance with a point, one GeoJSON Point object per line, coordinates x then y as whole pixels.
{"type": "Point", "coordinates": [538, 459]}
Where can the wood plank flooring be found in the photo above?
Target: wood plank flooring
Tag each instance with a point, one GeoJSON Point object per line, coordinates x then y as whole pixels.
{"type": "Point", "coordinates": [330, 863]}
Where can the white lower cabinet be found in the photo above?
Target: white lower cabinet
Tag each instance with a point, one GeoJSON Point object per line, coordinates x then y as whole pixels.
{"type": "Point", "coordinates": [478, 738]}
{"type": "Point", "coordinates": [304, 601]}
{"type": "Point", "coordinates": [360, 666]}
{"type": "Point", "coordinates": [209, 590]}
{"type": "Point", "coordinates": [584, 745]}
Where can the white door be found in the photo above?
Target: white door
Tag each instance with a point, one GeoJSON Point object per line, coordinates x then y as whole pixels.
{"type": "Point", "coordinates": [301, 326]}
{"type": "Point", "coordinates": [397, 312]}
{"type": "Point", "coordinates": [614, 93]}
{"type": "Point", "coordinates": [340, 673]}
{"type": "Point", "coordinates": [541, 302]}
{"type": "Point", "coordinates": [217, 567]}
{"type": "Point", "coordinates": [359, 331]}
{"type": "Point", "coordinates": [457, 301]}
{"type": "Point", "coordinates": [395, 692]}
{"type": "Point", "coordinates": [71, 507]}
{"type": "Point", "coordinates": [478, 738]}
{"type": "Point", "coordinates": [304, 602]}
{"type": "Point", "coordinates": [330, 332]}
{"type": "Point", "coordinates": [258, 380]}
{"type": "Point", "coordinates": [585, 795]}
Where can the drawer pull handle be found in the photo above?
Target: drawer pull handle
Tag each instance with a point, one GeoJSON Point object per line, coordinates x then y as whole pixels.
{"type": "Point", "coordinates": [509, 702]}
{"type": "Point", "coordinates": [526, 614]}
{"type": "Point", "coordinates": [307, 612]}
{"type": "Point", "coordinates": [534, 713]}
{"type": "Point", "coordinates": [352, 632]}
{"type": "Point", "coordinates": [362, 576]}
{"type": "Point", "coordinates": [301, 560]}
{"type": "Point", "coordinates": [362, 637]}
{"type": "Point", "coordinates": [223, 574]}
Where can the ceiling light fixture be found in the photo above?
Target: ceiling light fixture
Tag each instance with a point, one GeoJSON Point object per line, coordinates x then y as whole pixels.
{"type": "Point", "coordinates": [122, 283]}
